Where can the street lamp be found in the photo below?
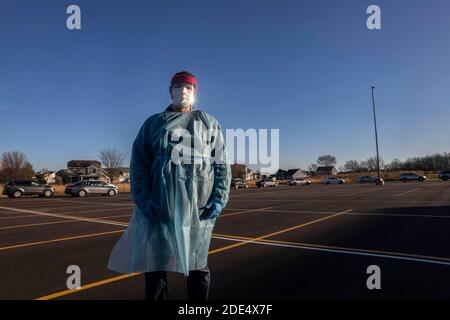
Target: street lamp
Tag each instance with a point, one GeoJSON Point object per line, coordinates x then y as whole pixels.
{"type": "Point", "coordinates": [379, 180]}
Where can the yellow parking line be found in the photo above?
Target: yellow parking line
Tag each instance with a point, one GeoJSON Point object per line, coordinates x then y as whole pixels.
{"type": "Point", "coordinates": [59, 240]}
{"type": "Point", "coordinates": [109, 280]}
{"type": "Point", "coordinates": [88, 286]}
{"type": "Point", "coordinates": [59, 222]}
{"type": "Point", "coordinates": [393, 253]}
{"type": "Point", "coordinates": [280, 232]}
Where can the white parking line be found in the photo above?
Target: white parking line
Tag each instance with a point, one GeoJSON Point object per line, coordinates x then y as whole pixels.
{"type": "Point", "coordinates": [403, 193]}
{"type": "Point", "coordinates": [362, 213]}
{"type": "Point", "coordinates": [99, 203]}
{"type": "Point", "coordinates": [56, 215]}
{"type": "Point", "coordinates": [349, 251]}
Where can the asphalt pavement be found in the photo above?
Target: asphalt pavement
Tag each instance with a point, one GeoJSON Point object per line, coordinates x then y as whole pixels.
{"type": "Point", "coordinates": [303, 242]}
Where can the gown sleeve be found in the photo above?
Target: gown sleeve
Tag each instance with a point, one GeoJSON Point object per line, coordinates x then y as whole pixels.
{"type": "Point", "coordinates": [140, 168]}
{"type": "Point", "coordinates": [222, 171]}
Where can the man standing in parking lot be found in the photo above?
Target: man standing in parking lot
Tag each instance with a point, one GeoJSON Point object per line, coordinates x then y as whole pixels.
{"type": "Point", "coordinates": [180, 182]}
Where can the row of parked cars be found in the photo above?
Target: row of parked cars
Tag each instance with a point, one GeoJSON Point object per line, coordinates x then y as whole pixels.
{"type": "Point", "coordinates": [17, 189]}
{"type": "Point", "coordinates": [271, 182]}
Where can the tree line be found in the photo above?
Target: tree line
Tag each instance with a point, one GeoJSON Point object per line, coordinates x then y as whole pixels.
{"type": "Point", "coordinates": [434, 162]}
{"type": "Point", "coordinates": [15, 166]}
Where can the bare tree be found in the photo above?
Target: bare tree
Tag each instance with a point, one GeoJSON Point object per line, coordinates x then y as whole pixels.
{"type": "Point", "coordinates": [371, 163]}
{"type": "Point", "coordinates": [395, 164]}
{"type": "Point", "coordinates": [352, 166]}
{"type": "Point", "coordinates": [312, 167]}
{"type": "Point", "coordinates": [112, 159]}
{"type": "Point", "coordinates": [15, 167]}
{"type": "Point", "coordinates": [326, 160]}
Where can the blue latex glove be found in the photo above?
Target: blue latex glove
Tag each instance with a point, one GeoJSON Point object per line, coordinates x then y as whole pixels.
{"type": "Point", "coordinates": [212, 211]}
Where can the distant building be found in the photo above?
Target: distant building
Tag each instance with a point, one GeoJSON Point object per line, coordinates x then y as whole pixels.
{"type": "Point", "coordinates": [241, 171]}
{"type": "Point", "coordinates": [79, 170]}
{"type": "Point", "coordinates": [296, 174]}
{"type": "Point", "coordinates": [326, 171]}
{"type": "Point", "coordinates": [280, 174]}
{"type": "Point", "coordinates": [290, 174]}
{"type": "Point", "coordinates": [48, 177]}
{"type": "Point", "coordinates": [124, 174]}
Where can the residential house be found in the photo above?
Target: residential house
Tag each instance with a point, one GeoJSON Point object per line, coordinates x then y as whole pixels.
{"type": "Point", "coordinates": [79, 170]}
{"type": "Point", "coordinates": [280, 174]}
{"type": "Point", "coordinates": [124, 174]}
{"type": "Point", "coordinates": [290, 174]}
{"type": "Point", "coordinates": [326, 171]}
{"type": "Point", "coordinates": [45, 176]}
{"type": "Point", "coordinates": [295, 174]}
{"type": "Point", "coordinates": [241, 171]}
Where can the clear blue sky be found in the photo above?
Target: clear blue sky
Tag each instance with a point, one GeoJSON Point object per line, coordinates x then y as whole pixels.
{"type": "Point", "coordinates": [304, 67]}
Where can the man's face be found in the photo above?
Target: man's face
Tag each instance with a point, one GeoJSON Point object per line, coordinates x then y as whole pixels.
{"type": "Point", "coordinates": [183, 95]}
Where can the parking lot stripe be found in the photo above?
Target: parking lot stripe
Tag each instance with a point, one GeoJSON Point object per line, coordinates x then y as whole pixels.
{"type": "Point", "coordinates": [88, 286]}
{"type": "Point", "coordinates": [344, 250]}
{"type": "Point", "coordinates": [66, 216]}
{"type": "Point", "coordinates": [282, 231]}
{"type": "Point", "coordinates": [240, 212]}
{"type": "Point", "coordinates": [346, 201]}
{"type": "Point", "coordinates": [406, 192]}
{"type": "Point", "coordinates": [59, 240]}
{"type": "Point", "coordinates": [55, 205]}
{"type": "Point", "coordinates": [89, 211]}
{"type": "Point", "coordinates": [403, 215]}
{"type": "Point", "coordinates": [58, 222]}
{"type": "Point", "coordinates": [109, 280]}
{"type": "Point", "coordinates": [17, 217]}
{"type": "Point", "coordinates": [100, 203]}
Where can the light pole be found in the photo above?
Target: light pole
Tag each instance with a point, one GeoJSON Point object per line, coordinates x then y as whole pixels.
{"type": "Point", "coordinates": [379, 180]}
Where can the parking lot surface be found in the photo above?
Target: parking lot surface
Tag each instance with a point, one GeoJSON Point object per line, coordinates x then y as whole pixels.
{"type": "Point", "coordinates": [303, 242]}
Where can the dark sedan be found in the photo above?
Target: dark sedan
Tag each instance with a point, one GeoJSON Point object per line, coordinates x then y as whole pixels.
{"type": "Point", "coordinates": [17, 189]}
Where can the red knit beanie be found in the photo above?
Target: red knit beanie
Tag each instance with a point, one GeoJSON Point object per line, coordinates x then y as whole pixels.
{"type": "Point", "coordinates": [184, 77]}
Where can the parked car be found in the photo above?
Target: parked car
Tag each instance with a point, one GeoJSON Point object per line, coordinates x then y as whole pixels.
{"type": "Point", "coordinates": [444, 175]}
{"type": "Point", "coordinates": [85, 188]}
{"type": "Point", "coordinates": [17, 189]}
{"type": "Point", "coordinates": [268, 182]}
{"type": "Point", "coordinates": [333, 180]}
{"type": "Point", "coordinates": [410, 176]}
{"type": "Point", "coordinates": [238, 183]}
{"type": "Point", "coordinates": [364, 179]}
{"type": "Point", "coordinates": [297, 182]}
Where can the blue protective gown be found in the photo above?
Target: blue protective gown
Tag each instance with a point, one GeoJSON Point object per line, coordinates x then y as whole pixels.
{"type": "Point", "coordinates": [165, 232]}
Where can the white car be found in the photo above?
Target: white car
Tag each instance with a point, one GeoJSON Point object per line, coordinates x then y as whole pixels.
{"type": "Point", "coordinates": [267, 183]}
{"type": "Point", "coordinates": [333, 180]}
{"type": "Point", "coordinates": [297, 182]}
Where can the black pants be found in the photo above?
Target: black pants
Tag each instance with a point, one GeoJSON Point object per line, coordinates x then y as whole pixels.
{"type": "Point", "coordinates": [197, 285]}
